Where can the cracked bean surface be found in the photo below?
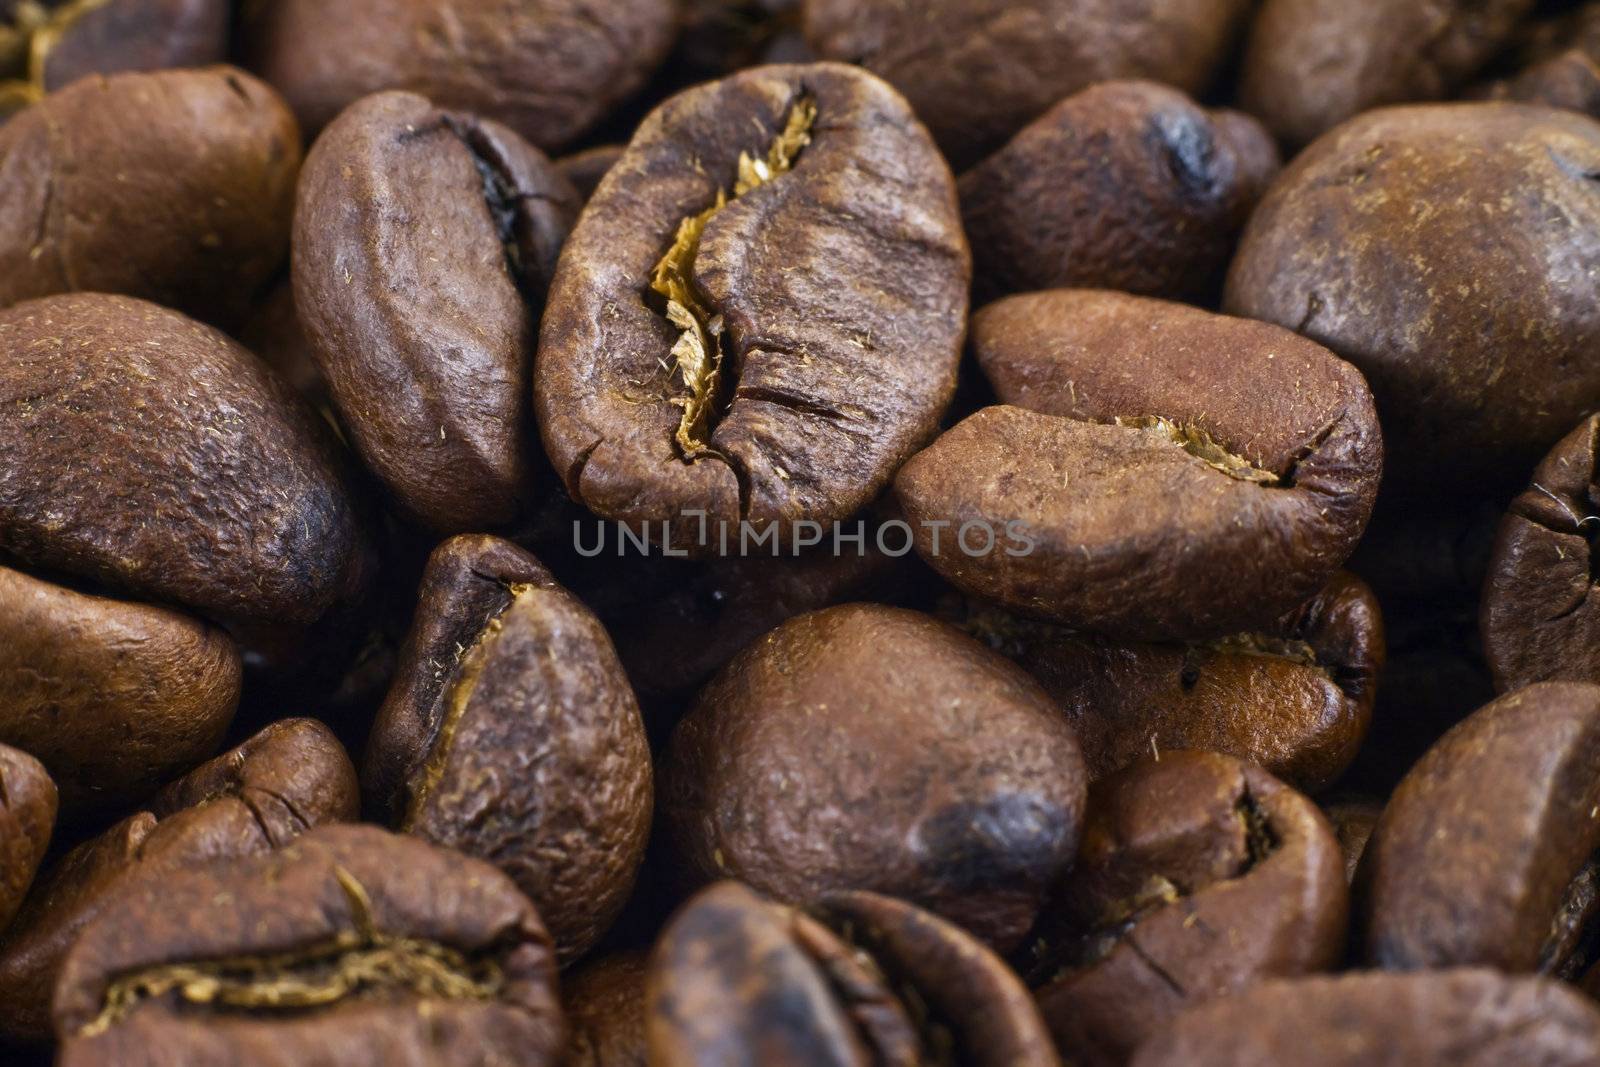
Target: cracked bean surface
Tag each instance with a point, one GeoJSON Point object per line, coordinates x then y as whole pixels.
{"type": "Point", "coordinates": [511, 733]}
{"type": "Point", "coordinates": [829, 296]}
{"type": "Point", "coordinates": [1177, 474]}
{"type": "Point", "coordinates": [348, 947]}
{"type": "Point", "coordinates": [288, 778]}
{"type": "Point", "coordinates": [1372, 243]}
{"type": "Point", "coordinates": [424, 242]}
{"type": "Point", "coordinates": [1199, 875]}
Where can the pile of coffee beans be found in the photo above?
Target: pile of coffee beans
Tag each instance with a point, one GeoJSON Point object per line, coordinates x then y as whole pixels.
{"type": "Point", "coordinates": [773, 533]}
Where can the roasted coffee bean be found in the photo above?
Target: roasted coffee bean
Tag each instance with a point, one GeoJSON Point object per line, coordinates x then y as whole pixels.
{"type": "Point", "coordinates": [977, 71]}
{"type": "Point", "coordinates": [1296, 698]}
{"type": "Point", "coordinates": [585, 169]}
{"type": "Point", "coordinates": [1354, 817]}
{"type": "Point", "coordinates": [187, 201]}
{"type": "Point", "coordinates": [348, 948]}
{"type": "Point", "coordinates": [1312, 64]}
{"type": "Point", "coordinates": [759, 315]}
{"type": "Point", "coordinates": [1541, 621]}
{"type": "Point", "coordinates": [1570, 80]}
{"type": "Point", "coordinates": [285, 780]}
{"type": "Point", "coordinates": [605, 1008]}
{"type": "Point", "coordinates": [548, 69]}
{"type": "Point", "coordinates": [1198, 876]}
{"type": "Point", "coordinates": [867, 747]}
{"type": "Point", "coordinates": [60, 42]}
{"type": "Point", "coordinates": [27, 816]}
{"type": "Point", "coordinates": [1168, 473]}
{"type": "Point", "coordinates": [113, 697]}
{"type": "Point", "coordinates": [512, 734]}
{"type": "Point", "coordinates": [1126, 185]}
{"type": "Point", "coordinates": [1473, 327]}
{"type": "Point", "coordinates": [150, 453]}
{"type": "Point", "coordinates": [1486, 854]}
{"type": "Point", "coordinates": [424, 242]}
{"type": "Point", "coordinates": [1459, 1018]}
{"type": "Point", "coordinates": [738, 980]}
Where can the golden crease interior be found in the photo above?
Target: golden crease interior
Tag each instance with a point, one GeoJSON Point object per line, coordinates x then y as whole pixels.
{"type": "Point", "coordinates": [1204, 447]}
{"type": "Point", "coordinates": [1255, 644]}
{"type": "Point", "coordinates": [471, 662]}
{"type": "Point", "coordinates": [364, 960]}
{"type": "Point", "coordinates": [698, 353]}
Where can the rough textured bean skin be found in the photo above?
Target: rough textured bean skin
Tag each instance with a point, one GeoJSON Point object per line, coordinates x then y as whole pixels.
{"type": "Point", "coordinates": [840, 284]}
{"type": "Point", "coordinates": [424, 242]}
{"type": "Point", "coordinates": [187, 203]}
{"type": "Point", "coordinates": [737, 979]}
{"type": "Point", "coordinates": [1126, 185]}
{"type": "Point", "coordinates": [292, 776]}
{"type": "Point", "coordinates": [114, 697]}
{"type": "Point", "coordinates": [1312, 64]}
{"type": "Point", "coordinates": [153, 455]}
{"type": "Point", "coordinates": [1540, 620]}
{"type": "Point", "coordinates": [1180, 475]}
{"type": "Point", "coordinates": [968, 804]}
{"type": "Point", "coordinates": [354, 887]}
{"type": "Point", "coordinates": [1199, 876]}
{"type": "Point", "coordinates": [1464, 1018]}
{"type": "Point", "coordinates": [979, 70]}
{"type": "Point", "coordinates": [1371, 243]}
{"type": "Point", "coordinates": [512, 734]}
{"type": "Point", "coordinates": [549, 69]}
{"type": "Point", "coordinates": [1483, 853]}
{"type": "Point", "coordinates": [27, 815]}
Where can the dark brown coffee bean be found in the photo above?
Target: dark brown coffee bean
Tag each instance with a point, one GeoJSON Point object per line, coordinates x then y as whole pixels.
{"type": "Point", "coordinates": [424, 243]}
{"type": "Point", "coordinates": [977, 71]}
{"type": "Point", "coordinates": [548, 69]}
{"type": "Point", "coordinates": [512, 734]}
{"type": "Point", "coordinates": [109, 36]}
{"type": "Point", "coordinates": [1198, 876]}
{"type": "Point", "coordinates": [1354, 817]}
{"type": "Point", "coordinates": [1375, 242]}
{"type": "Point", "coordinates": [1312, 64]}
{"type": "Point", "coordinates": [348, 948]}
{"type": "Point", "coordinates": [1177, 474]}
{"type": "Point", "coordinates": [187, 200]}
{"type": "Point", "coordinates": [27, 816]}
{"type": "Point", "coordinates": [1541, 621]}
{"type": "Point", "coordinates": [1126, 185]}
{"type": "Point", "coordinates": [1570, 80]}
{"type": "Point", "coordinates": [738, 980]}
{"type": "Point", "coordinates": [148, 452]}
{"type": "Point", "coordinates": [867, 747]}
{"type": "Point", "coordinates": [1460, 1018]}
{"type": "Point", "coordinates": [1296, 699]}
{"type": "Point", "coordinates": [797, 339]}
{"type": "Point", "coordinates": [605, 1007]}
{"type": "Point", "coordinates": [285, 780]}
{"type": "Point", "coordinates": [585, 169]}
{"type": "Point", "coordinates": [113, 697]}
{"type": "Point", "coordinates": [1486, 853]}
